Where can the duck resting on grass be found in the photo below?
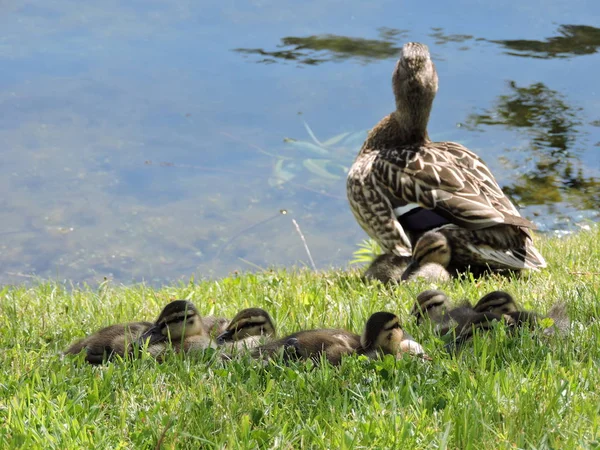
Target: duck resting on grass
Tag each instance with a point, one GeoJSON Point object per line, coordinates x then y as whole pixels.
{"type": "Point", "coordinates": [382, 335]}
{"type": "Point", "coordinates": [391, 268]}
{"type": "Point", "coordinates": [249, 328]}
{"type": "Point", "coordinates": [500, 302]}
{"type": "Point", "coordinates": [402, 184]}
{"type": "Point", "coordinates": [179, 326]}
{"type": "Point", "coordinates": [108, 342]}
{"type": "Point", "coordinates": [459, 323]}
{"type": "Point", "coordinates": [179, 323]}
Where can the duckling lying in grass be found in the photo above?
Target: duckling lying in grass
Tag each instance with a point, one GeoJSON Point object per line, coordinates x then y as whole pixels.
{"type": "Point", "coordinates": [500, 302]}
{"type": "Point", "coordinates": [107, 342]}
{"type": "Point", "coordinates": [465, 320]}
{"type": "Point", "coordinates": [179, 323]}
{"type": "Point", "coordinates": [249, 328]}
{"type": "Point", "coordinates": [461, 321]}
{"type": "Point", "coordinates": [389, 268]}
{"type": "Point", "coordinates": [430, 258]}
{"type": "Point", "coordinates": [382, 335]}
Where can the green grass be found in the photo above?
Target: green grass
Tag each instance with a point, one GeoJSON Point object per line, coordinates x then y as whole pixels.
{"type": "Point", "coordinates": [501, 391]}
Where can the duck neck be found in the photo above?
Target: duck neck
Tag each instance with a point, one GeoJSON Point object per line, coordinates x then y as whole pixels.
{"type": "Point", "coordinates": [396, 130]}
{"type": "Point", "coordinates": [412, 116]}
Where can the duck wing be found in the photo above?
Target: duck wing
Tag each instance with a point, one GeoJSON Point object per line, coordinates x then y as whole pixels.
{"type": "Point", "coordinates": [448, 179]}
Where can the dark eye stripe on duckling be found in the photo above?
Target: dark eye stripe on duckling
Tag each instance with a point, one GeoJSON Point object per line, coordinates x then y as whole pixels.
{"type": "Point", "coordinates": [178, 318]}
{"type": "Point", "coordinates": [432, 305]}
{"type": "Point", "coordinates": [249, 324]}
{"type": "Point", "coordinates": [421, 309]}
{"type": "Point", "coordinates": [431, 250]}
{"type": "Point", "coordinates": [391, 326]}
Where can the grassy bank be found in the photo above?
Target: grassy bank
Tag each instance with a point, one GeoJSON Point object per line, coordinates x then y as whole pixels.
{"type": "Point", "coordinates": [500, 392]}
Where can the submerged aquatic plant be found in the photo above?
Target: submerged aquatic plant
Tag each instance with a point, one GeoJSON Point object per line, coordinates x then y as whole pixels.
{"type": "Point", "coordinates": [318, 161]}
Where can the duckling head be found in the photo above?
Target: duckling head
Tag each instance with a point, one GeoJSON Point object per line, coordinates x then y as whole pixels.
{"type": "Point", "coordinates": [498, 302]}
{"type": "Point", "coordinates": [383, 332]}
{"type": "Point", "coordinates": [432, 247]}
{"type": "Point", "coordinates": [415, 82]}
{"type": "Point", "coordinates": [248, 322]}
{"type": "Point", "coordinates": [432, 304]}
{"type": "Point", "coordinates": [179, 319]}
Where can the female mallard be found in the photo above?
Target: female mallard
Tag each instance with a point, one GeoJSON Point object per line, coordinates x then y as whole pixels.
{"type": "Point", "coordinates": [402, 184]}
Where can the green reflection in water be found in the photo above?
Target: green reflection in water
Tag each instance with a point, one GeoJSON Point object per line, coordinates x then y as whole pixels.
{"type": "Point", "coordinates": [553, 126]}
{"type": "Point", "coordinates": [313, 50]}
{"type": "Point", "coordinates": [571, 40]}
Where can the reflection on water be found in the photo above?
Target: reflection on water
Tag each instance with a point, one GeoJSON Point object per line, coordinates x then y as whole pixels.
{"type": "Point", "coordinates": [556, 170]}
{"type": "Point", "coordinates": [571, 40]}
{"type": "Point", "coordinates": [313, 50]}
{"type": "Point", "coordinates": [137, 145]}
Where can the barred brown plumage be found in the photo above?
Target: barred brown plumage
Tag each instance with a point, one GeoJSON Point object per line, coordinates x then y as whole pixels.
{"type": "Point", "coordinates": [400, 170]}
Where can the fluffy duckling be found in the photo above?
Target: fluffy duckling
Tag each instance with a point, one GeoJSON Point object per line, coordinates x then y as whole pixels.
{"type": "Point", "coordinates": [391, 268]}
{"type": "Point", "coordinates": [178, 324]}
{"type": "Point", "coordinates": [382, 334]}
{"type": "Point", "coordinates": [249, 328]}
{"type": "Point", "coordinates": [214, 326]}
{"type": "Point", "coordinates": [430, 258]}
{"type": "Point", "coordinates": [107, 342]}
{"type": "Point", "coordinates": [500, 302]}
{"type": "Point", "coordinates": [462, 320]}
{"type": "Point", "coordinates": [435, 306]}
{"type": "Point", "coordinates": [387, 268]}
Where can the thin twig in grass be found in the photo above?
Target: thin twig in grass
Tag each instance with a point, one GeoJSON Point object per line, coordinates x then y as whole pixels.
{"type": "Point", "coordinates": [245, 230]}
{"type": "Point", "coordinates": [162, 435]}
{"type": "Point", "coordinates": [250, 263]}
{"type": "Point", "coordinates": [305, 245]}
{"type": "Point", "coordinates": [19, 274]}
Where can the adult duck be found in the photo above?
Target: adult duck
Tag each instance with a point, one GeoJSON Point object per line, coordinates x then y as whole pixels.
{"type": "Point", "coordinates": [402, 184]}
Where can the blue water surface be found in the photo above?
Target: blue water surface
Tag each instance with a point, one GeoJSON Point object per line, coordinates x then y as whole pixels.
{"type": "Point", "coordinates": [155, 141]}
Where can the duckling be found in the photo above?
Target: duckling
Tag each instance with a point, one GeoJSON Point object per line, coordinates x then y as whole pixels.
{"type": "Point", "coordinates": [214, 326]}
{"type": "Point", "coordinates": [435, 306]}
{"type": "Point", "coordinates": [387, 268]}
{"type": "Point", "coordinates": [430, 258]}
{"type": "Point", "coordinates": [430, 252]}
{"type": "Point", "coordinates": [402, 184]}
{"type": "Point", "coordinates": [390, 268]}
{"type": "Point", "coordinates": [249, 328]}
{"type": "Point", "coordinates": [461, 321]}
{"type": "Point", "coordinates": [179, 324]}
{"type": "Point", "coordinates": [500, 302]}
{"type": "Point", "coordinates": [382, 334]}
{"type": "Point", "coordinates": [107, 342]}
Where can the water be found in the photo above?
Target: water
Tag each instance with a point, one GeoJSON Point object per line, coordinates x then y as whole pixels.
{"type": "Point", "coordinates": [159, 140]}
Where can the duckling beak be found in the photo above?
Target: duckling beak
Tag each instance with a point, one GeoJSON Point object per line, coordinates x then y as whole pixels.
{"type": "Point", "coordinates": [409, 345]}
{"type": "Point", "coordinates": [410, 269]}
{"type": "Point", "coordinates": [224, 337]}
{"type": "Point", "coordinates": [151, 336]}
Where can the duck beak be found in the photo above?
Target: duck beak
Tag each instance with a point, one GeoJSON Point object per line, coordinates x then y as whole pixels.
{"type": "Point", "coordinates": [409, 345]}
{"type": "Point", "coordinates": [410, 269]}
{"type": "Point", "coordinates": [151, 336]}
{"type": "Point", "coordinates": [224, 337]}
